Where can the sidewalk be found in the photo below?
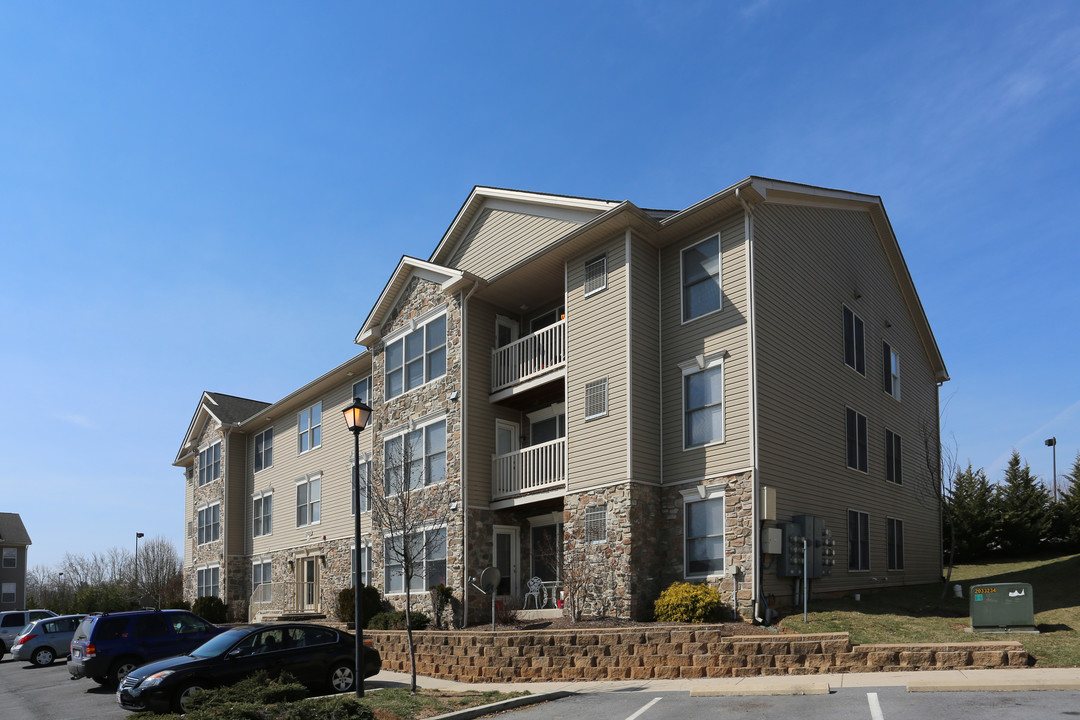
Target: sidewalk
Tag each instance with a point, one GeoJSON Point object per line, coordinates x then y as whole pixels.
{"type": "Point", "coordinates": [968, 680]}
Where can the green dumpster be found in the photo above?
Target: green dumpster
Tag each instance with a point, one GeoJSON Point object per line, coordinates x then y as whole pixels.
{"type": "Point", "coordinates": [1002, 608]}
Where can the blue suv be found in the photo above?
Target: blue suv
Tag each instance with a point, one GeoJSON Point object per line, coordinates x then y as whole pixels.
{"type": "Point", "coordinates": [106, 647]}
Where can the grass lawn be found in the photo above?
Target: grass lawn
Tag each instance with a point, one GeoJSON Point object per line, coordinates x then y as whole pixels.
{"type": "Point", "coordinates": [910, 614]}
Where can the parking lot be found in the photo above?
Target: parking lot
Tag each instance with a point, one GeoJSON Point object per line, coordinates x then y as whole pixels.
{"type": "Point", "coordinates": [49, 693]}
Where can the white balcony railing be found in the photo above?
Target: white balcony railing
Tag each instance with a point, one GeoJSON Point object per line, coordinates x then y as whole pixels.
{"type": "Point", "coordinates": [540, 467]}
{"type": "Point", "coordinates": [528, 357]}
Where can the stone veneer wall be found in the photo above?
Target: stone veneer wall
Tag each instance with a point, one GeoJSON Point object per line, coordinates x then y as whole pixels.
{"type": "Point", "coordinates": [665, 653]}
{"type": "Point", "coordinates": [738, 535]}
{"type": "Point", "coordinates": [212, 552]}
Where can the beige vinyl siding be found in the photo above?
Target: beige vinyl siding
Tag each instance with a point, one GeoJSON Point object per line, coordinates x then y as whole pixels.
{"type": "Point", "coordinates": [499, 239]}
{"type": "Point", "coordinates": [805, 386]}
{"type": "Point", "coordinates": [597, 332]}
{"type": "Point", "coordinates": [645, 360]}
{"type": "Point", "coordinates": [481, 414]}
{"type": "Point", "coordinates": [682, 342]}
{"type": "Point", "coordinates": [332, 459]}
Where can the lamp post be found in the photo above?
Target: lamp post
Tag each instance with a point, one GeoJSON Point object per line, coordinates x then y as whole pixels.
{"type": "Point", "coordinates": [356, 417]}
{"type": "Point", "coordinates": [1052, 443]}
{"type": "Point", "coordinates": [137, 536]}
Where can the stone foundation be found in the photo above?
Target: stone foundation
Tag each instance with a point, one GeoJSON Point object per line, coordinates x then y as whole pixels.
{"type": "Point", "coordinates": [663, 653]}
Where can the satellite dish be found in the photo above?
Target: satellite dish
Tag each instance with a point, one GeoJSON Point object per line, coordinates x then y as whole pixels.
{"type": "Point", "coordinates": [489, 578]}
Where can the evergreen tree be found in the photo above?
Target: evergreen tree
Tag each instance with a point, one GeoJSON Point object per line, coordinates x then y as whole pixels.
{"type": "Point", "coordinates": [1070, 505]}
{"type": "Point", "coordinates": [972, 511]}
{"type": "Point", "coordinates": [1023, 509]}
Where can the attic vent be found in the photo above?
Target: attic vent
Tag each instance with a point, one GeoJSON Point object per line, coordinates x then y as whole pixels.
{"type": "Point", "coordinates": [596, 399]}
{"type": "Point", "coordinates": [595, 275]}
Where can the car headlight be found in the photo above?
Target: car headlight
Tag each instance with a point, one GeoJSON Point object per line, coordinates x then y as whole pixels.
{"type": "Point", "coordinates": [156, 678]}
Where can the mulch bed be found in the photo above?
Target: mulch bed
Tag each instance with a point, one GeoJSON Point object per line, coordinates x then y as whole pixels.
{"type": "Point", "coordinates": [589, 624]}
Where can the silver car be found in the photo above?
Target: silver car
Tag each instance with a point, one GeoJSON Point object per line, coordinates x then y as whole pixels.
{"type": "Point", "coordinates": [42, 641]}
{"type": "Point", "coordinates": [12, 623]}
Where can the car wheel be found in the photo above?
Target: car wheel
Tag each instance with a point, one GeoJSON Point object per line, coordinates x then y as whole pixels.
{"type": "Point", "coordinates": [342, 677]}
{"type": "Point", "coordinates": [182, 699]}
{"type": "Point", "coordinates": [43, 656]}
{"type": "Point", "coordinates": [120, 669]}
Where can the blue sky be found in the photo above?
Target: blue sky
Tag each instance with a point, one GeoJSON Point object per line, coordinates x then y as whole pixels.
{"type": "Point", "coordinates": [209, 196]}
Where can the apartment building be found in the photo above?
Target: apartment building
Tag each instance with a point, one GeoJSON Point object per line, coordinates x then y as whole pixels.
{"type": "Point", "coordinates": [618, 398]}
{"type": "Point", "coordinates": [14, 542]}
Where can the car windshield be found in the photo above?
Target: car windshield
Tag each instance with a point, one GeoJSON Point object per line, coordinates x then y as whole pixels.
{"type": "Point", "coordinates": [219, 644]}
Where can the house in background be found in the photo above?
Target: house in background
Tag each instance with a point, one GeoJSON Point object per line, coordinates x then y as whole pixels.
{"type": "Point", "coordinates": [620, 398]}
{"type": "Point", "coordinates": [14, 540]}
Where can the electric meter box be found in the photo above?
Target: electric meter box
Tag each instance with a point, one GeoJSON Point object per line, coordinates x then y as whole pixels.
{"type": "Point", "coordinates": [1002, 608]}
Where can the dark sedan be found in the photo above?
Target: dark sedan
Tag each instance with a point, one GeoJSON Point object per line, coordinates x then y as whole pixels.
{"type": "Point", "coordinates": [318, 656]}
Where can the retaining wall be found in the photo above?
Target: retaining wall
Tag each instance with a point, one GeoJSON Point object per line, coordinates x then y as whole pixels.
{"type": "Point", "coordinates": [667, 653]}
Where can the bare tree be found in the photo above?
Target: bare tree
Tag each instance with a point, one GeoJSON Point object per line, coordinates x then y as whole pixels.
{"type": "Point", "coordinates": [159, 570]}
{"type": "Point", "coordinates": [938, 485]}
{"type": "Point", "coordinates": [586, 573]}
{"type": "Point", "coordinates": [412, 511]}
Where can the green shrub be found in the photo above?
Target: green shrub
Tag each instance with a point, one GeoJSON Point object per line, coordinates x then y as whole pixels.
{"type": "Point", "coordinates": [260, 688]}
{"type": "Point", "coordinates": [209, 608]}
{"type": "Point", "coordinates": [395, 620]}
{"type": "Point", "coordinates": [346, 604]}
{"type": "Point", "coordinates": [178, 605]}
{"type": "Point", "coordinates": [686, 602]}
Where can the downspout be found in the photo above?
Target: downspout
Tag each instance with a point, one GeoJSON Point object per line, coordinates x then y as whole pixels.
{"type": "Point", "coordinates": [464, 456]}
{"type": "Point", "coordinates": [756, 585]}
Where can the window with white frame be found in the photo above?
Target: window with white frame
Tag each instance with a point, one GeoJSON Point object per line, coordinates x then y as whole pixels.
{"type": "Point", "coordinates": [703, 401]}
{"type": "Point", "coordinates": [365, 489]}
{"type": "Point", "coordinates": [890, 369]}
{"type": "Point", "coordinates": [365, 564]}
{"type": "Point", "coordinates": [261, 575]}
{"type": "Point", "coordinates": [427, 550]}
{"type": "Point", "coordinates": [209, 524]}
{"type": "Point", "coordinates": [895, 544]}
{"type": "Point", "coordinates": [262, 514]}
{"type": "Point", "coordinates": [309, 429]}
{"type": "Point", "coordinates": [596, 524]}
{"type": "Point", "coordinates": [361, 390]}
{"type": "Point", "coordinates": [415, 458]}
{"type": "Point", "coordinates": [857, 451]}
{"type": "Point", "coordinates": [210, 463]}
{"type": "Point", "coordinates": [595, 275]}
{"type": "Point", "coordinates": [893, 466]}
{"type": "Point", "coordinates": [11, 557]}
{"type": "Point", "coordinates": [7, 593]}
{"type": "Point", "coordinates": [703, 527]}
{"type": "Point", "coordinates": [308, 500]}
{"type": "Point", "coordinates": [596, 395]}
{"type": "Point", "coordinates": [206, 581]}
{"type": "Point", "coordinates": [854, 342]}
{"type": "Point", "coordinates": [701, 278]}
{"type": "Point", "coordinates": [858, 540]}
{"type": "Point", "coordinates": [417, 357]}
{"type": "Point", "coordinates": [264, 449]}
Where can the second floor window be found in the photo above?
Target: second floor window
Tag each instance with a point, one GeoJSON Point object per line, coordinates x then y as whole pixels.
{"type": "Point", "coordinates": [703, 403]}
{"type": "Point", "coordinates": [361, 390]}
{"type": "Point", "coordinates": [365, 489]}
{"type": "Point", "coordinates": [701, 278]}
{"type": "Point", "coordinates": [428, 552]}
{"type": "Point", "coordinates": [893, 465]}
{"type": "Point", "coordinates": [416, 459]}
{"type": "Point", "coordinates": [308, 500]}
{"type": "Point", "coordinates": [209, 523]}
{"type": "Point", "coordinates": [416, 358]}
{"type": "Point", "coordinates": [264, 449]}
{"type": "Point", "coordinates": [210, 463]}
{"type": "Point", "coordinates": [11, 557]}
{"type": "Point", "coordinates": [262, 512]}
{"type": "Point", "coordinates": [856, 441]}
{"type": "Point", "coordinates": [309, 429]}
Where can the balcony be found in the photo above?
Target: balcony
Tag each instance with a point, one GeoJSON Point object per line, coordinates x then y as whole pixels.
{"type": "Point", "coordinates": [530, 358]}
{"type": "Point", "coordinates": [539, 467]}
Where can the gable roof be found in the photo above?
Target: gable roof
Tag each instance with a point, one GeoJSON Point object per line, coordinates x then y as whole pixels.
{"type": "Point", "coordinates": [12, 530]}
{"type": "Point", "coordinates": [449, 279]}
{"type": "Point", "coordinates": [229, 410]}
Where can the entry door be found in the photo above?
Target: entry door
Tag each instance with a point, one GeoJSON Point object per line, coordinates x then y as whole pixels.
{"type": "Point", "coordinates": [507, 559]}
{"type": "Point", "coordinates": [309, 584]}
{"type": "Point", "coordinates": [506, 469]}
{"type": "Point", "coordinates": [506, 331]}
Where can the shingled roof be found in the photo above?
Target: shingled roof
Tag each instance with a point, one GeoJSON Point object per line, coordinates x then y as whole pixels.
{"type": "Point", "coordinates": [230, 409]}
{"type": "Point", "coordinates": [12, 530]}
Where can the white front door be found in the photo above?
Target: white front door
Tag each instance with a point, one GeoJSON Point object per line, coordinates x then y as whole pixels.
{"type": "Point", "coordinates": [507, 558]}
{"type": "Point", "coordinates": [309, 584]}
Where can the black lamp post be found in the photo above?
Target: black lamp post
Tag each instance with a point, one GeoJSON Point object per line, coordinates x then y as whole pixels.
{"type": "Point", "coordinates": [137, 536]}
{"type": "Point", "coordinates": [356, 417]}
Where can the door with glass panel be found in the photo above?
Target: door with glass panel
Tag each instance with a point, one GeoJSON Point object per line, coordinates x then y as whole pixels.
{"type": "Point", "coordinates": [507, 559]}
{"type": "Point", "coordinates": [309, 584]}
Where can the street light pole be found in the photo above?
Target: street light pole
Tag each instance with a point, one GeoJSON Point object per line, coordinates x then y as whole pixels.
{"type": "Point", "coordinates": [137, 536]}
{"type": "Point", "coordinates": [1052, 443]}
{"type": "Point", "coordinates": [356, 418]}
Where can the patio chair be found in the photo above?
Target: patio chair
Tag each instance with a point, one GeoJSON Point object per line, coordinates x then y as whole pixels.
{"type": "Point", "coordinates": [535, 584]}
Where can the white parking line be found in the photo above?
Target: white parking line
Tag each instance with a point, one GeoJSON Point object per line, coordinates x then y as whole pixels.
{"type": "Point", "coordinates": [640, 712]}
{"type": "Point", "coordinates": [875, 707]}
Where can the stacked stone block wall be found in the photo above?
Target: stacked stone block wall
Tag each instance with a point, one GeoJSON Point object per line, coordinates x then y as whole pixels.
{"type": "Point", "coordinates": [668, 653]}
